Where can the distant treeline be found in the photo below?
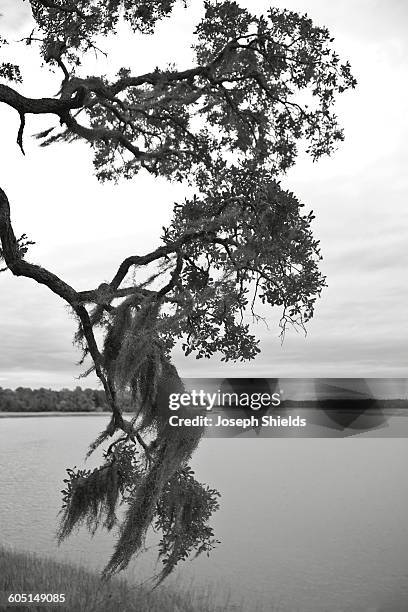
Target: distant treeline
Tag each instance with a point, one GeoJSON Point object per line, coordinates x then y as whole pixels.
{"type": "Point", "coordinates": [24, 399]}
{"type": "Point", "coordinates": [46, 400]}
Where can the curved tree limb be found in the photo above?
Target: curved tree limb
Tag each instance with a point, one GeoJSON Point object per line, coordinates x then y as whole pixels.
{"type": "Point", "coordinates": [39, 106]}
{"type": "Point", "coordinates": [19, 267]}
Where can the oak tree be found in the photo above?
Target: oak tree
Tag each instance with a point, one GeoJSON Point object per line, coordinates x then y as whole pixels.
{"type": "Point", "coordinates": [228, 126]}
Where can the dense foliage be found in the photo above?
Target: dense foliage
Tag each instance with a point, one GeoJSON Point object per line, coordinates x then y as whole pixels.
{"type": "Point", "coordinates": [261, 88]}
{"type": "Point", "coordinates": [24, 399]}
{"type": "Point", "coordinates": [180, 514]}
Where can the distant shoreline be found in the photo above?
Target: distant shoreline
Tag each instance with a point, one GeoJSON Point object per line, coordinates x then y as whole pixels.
{"type": "Point", "coordinates": [393, 407]}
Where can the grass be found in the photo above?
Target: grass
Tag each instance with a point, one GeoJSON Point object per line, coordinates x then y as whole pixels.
{"type": "Point", "coordinates": [84, 590]}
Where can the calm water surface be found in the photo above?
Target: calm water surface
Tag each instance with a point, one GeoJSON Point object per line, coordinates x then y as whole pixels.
{"type": "Point", "coordinates": [305, 524]}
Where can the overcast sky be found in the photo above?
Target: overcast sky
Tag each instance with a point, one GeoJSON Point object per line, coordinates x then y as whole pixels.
{"type": "Point", "coordinates": [84, 229]}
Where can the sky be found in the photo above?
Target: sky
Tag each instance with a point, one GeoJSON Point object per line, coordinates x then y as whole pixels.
{"type": "Point", "coordinates": [84, 229]}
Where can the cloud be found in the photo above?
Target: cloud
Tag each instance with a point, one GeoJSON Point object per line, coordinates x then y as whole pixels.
{"type": "Point", "coordinates": [15, 15]}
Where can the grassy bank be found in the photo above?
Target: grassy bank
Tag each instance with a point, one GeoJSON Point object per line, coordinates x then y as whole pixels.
{"type": "Point", "coordinates": [84, 590]}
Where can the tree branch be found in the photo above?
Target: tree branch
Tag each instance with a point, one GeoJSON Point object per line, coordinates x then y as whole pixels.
{"type": "Point", "coordinates": [154, 78]}
{"type": "Point", "coordinates": [19, 267]}
{"type": "Point", "coordinates": [162, 251]}
{"type": "Point", "coordinates": [38, 106]}
{"type": "Point", "coordinates": [21, 132]}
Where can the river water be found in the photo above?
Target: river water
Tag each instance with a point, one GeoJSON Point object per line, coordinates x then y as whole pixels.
{"type": "Point", "coordinates": [305, 524]}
